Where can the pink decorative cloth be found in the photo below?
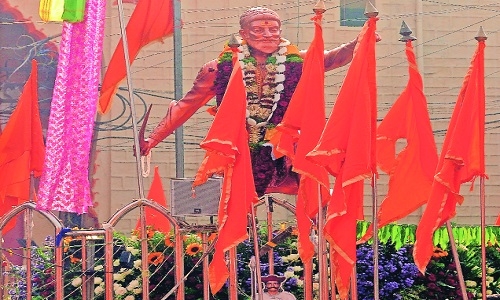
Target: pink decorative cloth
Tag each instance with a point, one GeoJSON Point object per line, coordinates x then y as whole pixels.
{"type": "Point", "coordinates": [64, 185]}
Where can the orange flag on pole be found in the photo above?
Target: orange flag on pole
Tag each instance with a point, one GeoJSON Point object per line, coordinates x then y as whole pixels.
{"type": "Point", "coordinates": [150, 21]}
{"type": "Point", "coordinates": [412, 170]}
{"type": "Point", "coordinates": [228, 153]}
{"type": "Point", "coordinates": [300, 130]}
{"type": "Point", "coordinates": [153, 217]}
{"type": "Point", "coordinates": [461, 160]}
{"type": "Point", "coordinates": [21, 147]}
{"type": "Point", "coordinates": [347, 149]}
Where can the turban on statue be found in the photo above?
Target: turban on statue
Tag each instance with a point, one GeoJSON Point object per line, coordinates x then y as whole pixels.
{"type": "Point", "coordinates": [258, 13]}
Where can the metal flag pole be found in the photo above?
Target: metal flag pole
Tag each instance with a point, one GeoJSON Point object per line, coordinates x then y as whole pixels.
{"type": "Point", "coordinates": [319, 9]}
{"type": "Point", "coordinates": [371, 12]}
{"type": "Point", "coordinates": [481, 37]}
{"type": "Point", "coordinates": [179, 132]}
{"type": "Point", "coordinates": [137, 151]}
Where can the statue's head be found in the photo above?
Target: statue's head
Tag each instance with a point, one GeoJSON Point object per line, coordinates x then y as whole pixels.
{"type": "Point", "coordinates": [261, 28]}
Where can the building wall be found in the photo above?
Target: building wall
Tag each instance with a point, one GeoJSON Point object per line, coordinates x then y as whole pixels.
{"type": "Point", "coordinates": [445, 32]}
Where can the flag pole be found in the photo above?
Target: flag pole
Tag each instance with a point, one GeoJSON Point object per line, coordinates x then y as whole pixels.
{"type": "Point", "coordinates": [483, 236]}
{"type": "Point", "coordinates": [137, 151]}
{"type": "Point", "coordinates": [372, 12]}
{"type": "Point", "coordinates": [457, 261]}
{"type": "Point", "coordinates": [319, 9]}
{"type": "Point", "coordinates": [481, 37]}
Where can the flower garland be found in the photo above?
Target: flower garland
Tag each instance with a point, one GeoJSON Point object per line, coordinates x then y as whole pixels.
{"type": "Point", "coordinates": [284, 68]}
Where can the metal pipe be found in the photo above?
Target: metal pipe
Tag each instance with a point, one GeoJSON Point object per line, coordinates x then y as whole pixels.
{"type": "Point", "coordinates": [137, 151]}
{"type": "Point", "coordinates": [144, 252]}
{"type": "Point", "coordinates": [28, 234]}
{"type": "Point", "coordinates": [108, 258]}
{"type": "Point", "coordinates": [233, 274]}
{"type": "Point", "coordinates": [256, 253]}
{"type": "Point", "coordinates": [457, 261]}
{"type": "Point", "coordinates": [270, 253]}
{"type": "Point", "coordinates": [178, 92]}
{"type": "Point", "coordinates": [308, 278]}
{"type": "Point", "coordinates": [179, 264]}
{"type": "Point", "coordinates": [482, 206]}
{"type": "Point", "coordinates": [376, 287]}
{"type": "Point", "coordinates": [206, 287]}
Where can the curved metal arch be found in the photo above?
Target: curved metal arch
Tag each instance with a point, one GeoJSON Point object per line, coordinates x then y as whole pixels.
{"type": "Point", "coordinates": [179, 260]}
{"type": "Point", "coordinates": [30, 207]}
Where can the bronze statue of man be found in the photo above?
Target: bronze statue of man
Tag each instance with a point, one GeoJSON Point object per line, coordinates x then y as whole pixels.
{"type": "Point", "coordinates": [272, 69]}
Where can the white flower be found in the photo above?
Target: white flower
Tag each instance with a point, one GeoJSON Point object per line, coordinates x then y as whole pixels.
{"type": "Point", "coordinates": [98, 290]}
{"type": "Point", "coordinates": [76, 282]}
{"type": "Point", "coordinates": [98, 280]}
{"type": "Point", "coordinates": [279, 78]}
{"type": "Point", "coordinates": [98, 268]}
{"type": "Point", "coordinates": [490, 270]}
{"type": "Point", "coordinates": [470, 283]}
{"type": "Point", "coordinates": [289, 274]}
{"type": "Point", "coordinates": [298, 268]}
{"type": "Point", "coordinates": [133, 284]}
{"type": "Point", "coordinates": [119, 276]}
{"type": "Point", "coordinates": [133, 238]}
{"type": "Point", "coordinates": [116, 262]}
{"type": "Point", "coordinates": [138, 264]}
{"type": "Point", "coordinates": [137, 291]}
{"type": "Point", "coordinates": [130, 297]}
{"type": "Point", "coordinates": [300, 282]}
{"type": "Point", "coordinates": [120, 291]}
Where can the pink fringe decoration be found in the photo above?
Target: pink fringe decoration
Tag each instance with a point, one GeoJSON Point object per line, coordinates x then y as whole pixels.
{"type": "Point", "coordinates": [64, 185]}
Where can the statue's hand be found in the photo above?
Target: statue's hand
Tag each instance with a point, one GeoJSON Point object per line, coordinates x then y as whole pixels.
{"type": "Point", "coordinates": [144, 146]}
{"type": "Point", "coordinates": [378, 38]}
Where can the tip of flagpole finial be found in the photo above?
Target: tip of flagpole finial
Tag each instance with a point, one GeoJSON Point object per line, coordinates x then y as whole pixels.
{"type": "Point", "coordinates": [233, 42]}
{"type": "Point", "coordinates": [370, 10]}
{"type": "Point", "coordinates": [320, 7]}
{"type": "Point", "coordinates": [406, 32]}
{"type": "Point", "coordinates": [481, 36]}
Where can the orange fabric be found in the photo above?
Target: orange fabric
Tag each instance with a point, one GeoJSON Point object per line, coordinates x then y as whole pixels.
{"type": "Point", "coordinates": [228, 153]}
{"type": "Point", "coordinates": [153, 217]}
{"type": "Point", "coordinates": [300, 131]}
{"type": "Point", "coordinates": [347, 149]}
{"type": "Point", "coordinates": [412, 170]}
{"type": "Point", "coordinates": [21, 145]}
{"type": "Point", "coordinates": [150, 21]}
{"type": "Point", "coordinates": [461, 160]}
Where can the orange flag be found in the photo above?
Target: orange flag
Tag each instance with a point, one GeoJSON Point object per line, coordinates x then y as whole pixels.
{"type": "Point", "coordinates": [150, 21]}
{"type": "Point", "coordinates": [228, 153]}
{"type": "Point", "coordinates": [347, 149]}
{"type": "Point", "coordinates": [461, 160]}
{"type": "Point", "coordinates": [300, 130]}
{"type": "Point", "coordinates": [153, 217]}
{"type": "Point", "coordinates": [21, 147]}
{"type": "Point", "coordinates": [412, 170]}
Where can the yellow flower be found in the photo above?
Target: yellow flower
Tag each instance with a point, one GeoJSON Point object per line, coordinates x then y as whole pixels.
{"type": "Point", "coordinates": [193, 248]}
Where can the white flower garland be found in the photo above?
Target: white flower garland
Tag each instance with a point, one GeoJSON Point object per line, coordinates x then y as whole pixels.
{"type": "Point", "coordinates": [260, 111]}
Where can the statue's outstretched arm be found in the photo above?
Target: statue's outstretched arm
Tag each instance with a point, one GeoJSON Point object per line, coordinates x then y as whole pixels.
{"type": "Point", "coordinates": [180, 111]}
{"type": "Point", "coordinates": [338, 57]}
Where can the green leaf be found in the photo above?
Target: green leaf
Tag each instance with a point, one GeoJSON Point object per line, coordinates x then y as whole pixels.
{"type": "Point", "coordinates": [396, 237]}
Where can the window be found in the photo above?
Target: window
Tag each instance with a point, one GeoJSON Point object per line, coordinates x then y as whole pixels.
{"type": "Point", "coordinates": [352, 13]}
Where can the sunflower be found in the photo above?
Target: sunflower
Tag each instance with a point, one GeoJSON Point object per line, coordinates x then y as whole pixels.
{"type": "Point", "coordinates": [193, 248]}
{"type": "Point", "coordinates": [168, 241]}
{"type": "Point", "coordinates": [156, 258]}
